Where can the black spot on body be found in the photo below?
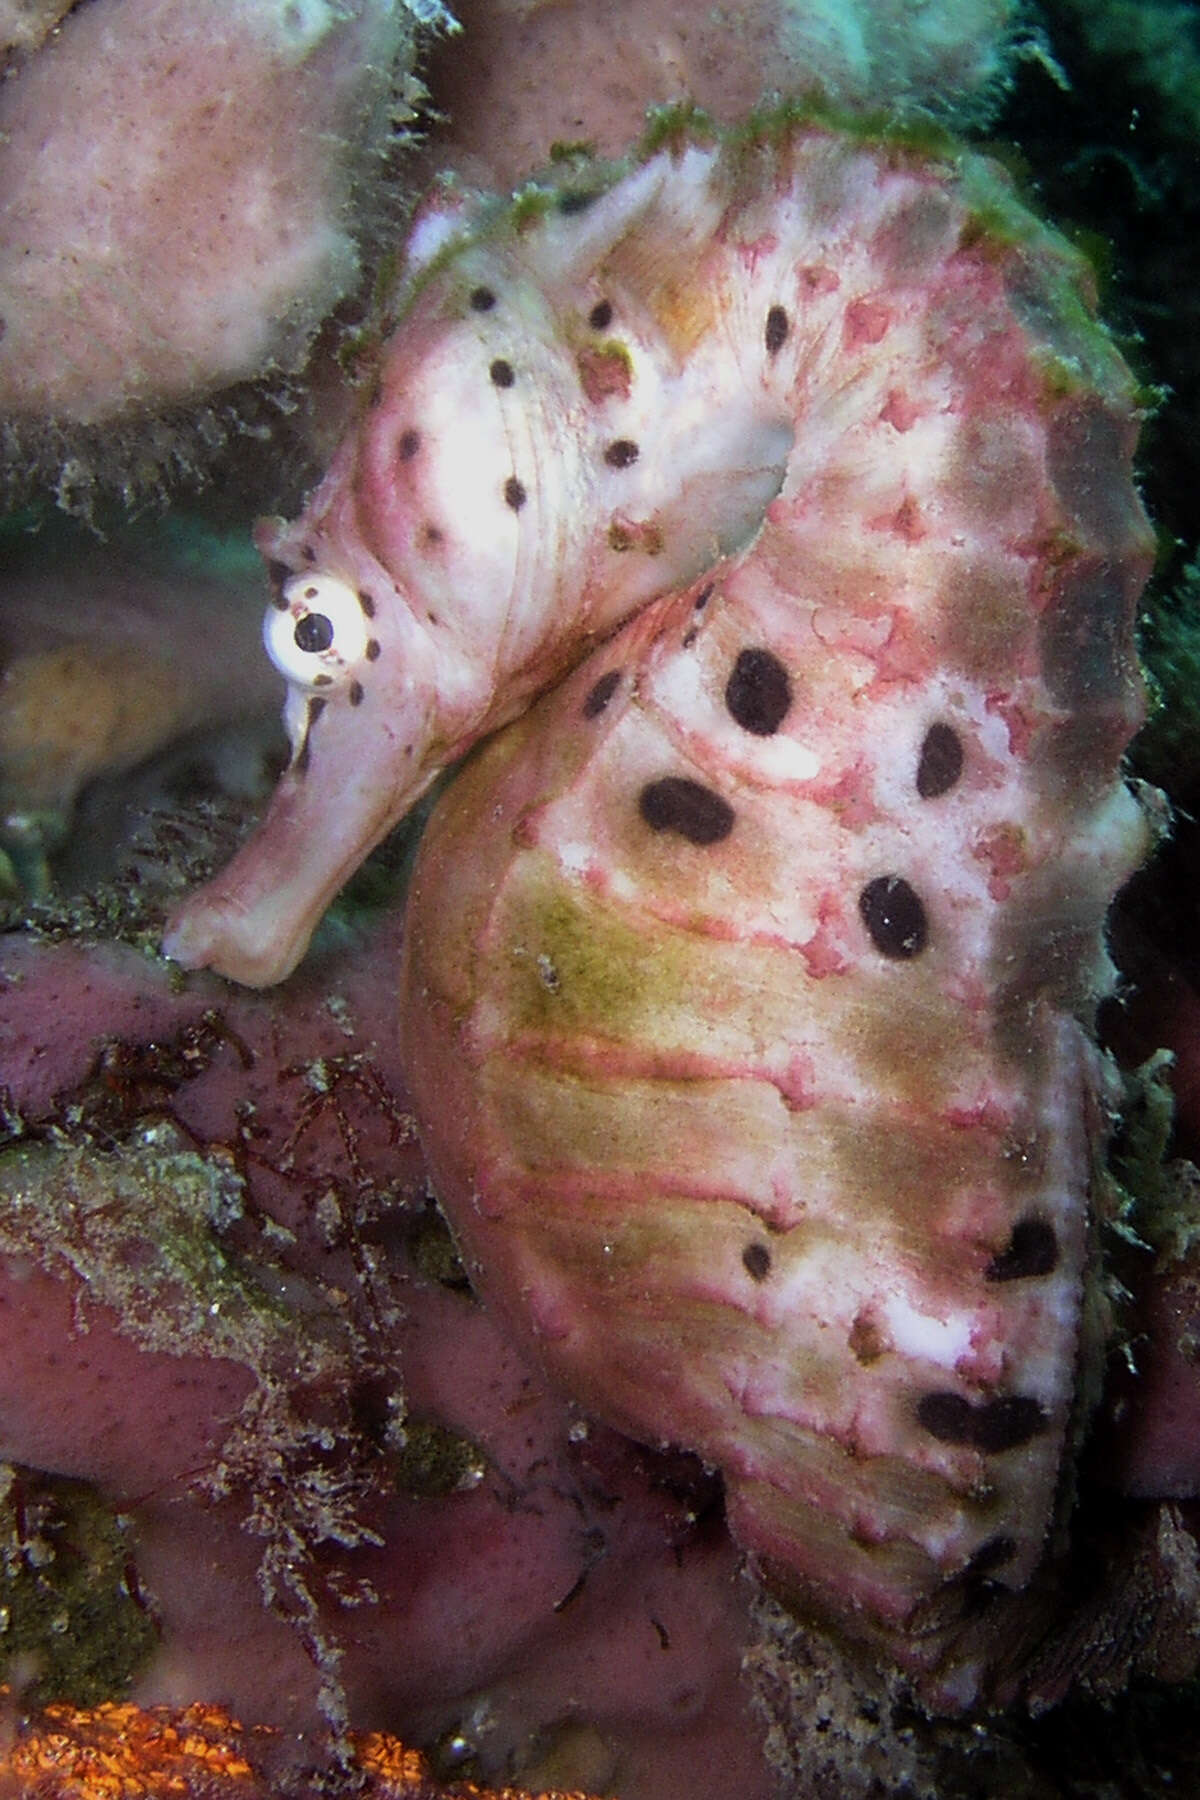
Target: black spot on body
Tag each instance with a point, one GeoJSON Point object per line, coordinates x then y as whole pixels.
{"type": "Point", "coordinates": [482, 299]}
{"type": "Point", "coordinates": [600, 695]}
{"type": "Point", "coordinates": [313, 633]}
{"type": "Point", "coordinates": [356, 693]}
{"type": "Point", "coordinates": [775, 332]}
{"type": "Point", "coordinates": [600, 317]}
{"type": "Point", "coordinates": [704, 596]}
{"type": "Point", "coordinates": [407, 444]}
{"type": "Point", "coordinates": [1031, 1250]}
{"type": "Point", "coordinates": [758, 694]}
{"type": "Point", "coordinates": [991, 1426]}
{"type": "Point", "coordinates": [367, 603]}
{"type": "Point", "coordinates": [756, 1260]}
{"type": "Point", "coordinates": [501, 373]}
{"type": "Point", "coordinates": [950, 1418]}
{"type": "Point", "coordinates": [514, 494]}
{"type": "Point", "coordinates": [1008, 1423]}
{"type": "Point", "coordinates": [894, 917]}
{"type": "Point", "coordinates": [621, 453]}
{"type": "Point", "coordinates": [372, 650]}
{"type": "Point", "coordinates": [677, 804]}
{"type": "Point", "coordinates": [940, 763]}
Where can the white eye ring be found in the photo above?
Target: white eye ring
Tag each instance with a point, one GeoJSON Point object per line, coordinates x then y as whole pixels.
{"type": "Point", "coordinates": [317, 631]}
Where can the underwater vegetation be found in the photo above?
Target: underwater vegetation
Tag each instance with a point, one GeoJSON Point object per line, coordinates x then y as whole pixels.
{"type": "Point", "coordinates": [758, 1022]}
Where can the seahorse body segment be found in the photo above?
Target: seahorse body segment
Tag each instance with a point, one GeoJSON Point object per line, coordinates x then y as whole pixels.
{"type": "Point", "coordinates": [751, 975]}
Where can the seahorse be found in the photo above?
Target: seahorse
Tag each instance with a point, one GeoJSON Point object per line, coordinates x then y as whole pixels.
{"type": "Point", "coordinates": [751, 973]}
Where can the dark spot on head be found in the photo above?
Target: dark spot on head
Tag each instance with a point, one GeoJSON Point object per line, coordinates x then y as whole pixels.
{"type": "Point", "coordinates": [408, 443]}
{"type": "Point", "coordinates": [372, 650]}
{"type": "Point", "coordinates": [1031, 1250]}
{"type": "Point", "coordinates": [514, 494]}
{"type": "Point", "coordinates": [367, 603]}
{"type": "Point", "coordinates": [277, 574]}
{"type": "Point", "coordinates": [776, 330]}
{"type": "Point", "coordinates": [431, 534]}
{"type": "Point", "coordinates": [695, 812]}
{"type": "Point", "coordinates": [501, 373]}
{"type": "Point", "coordinates": [356, 693]}
{"type": "Point", "coordinates": [322, 680]}
{"type": "Point", "coordinates": [1006, 1424]}
{"type": "Point", "coordinates": [310, 593]}
{"type": "Point", "coordinates": [601, 694]}
{"type": "Point", "coordinates": [893, 916]}
{"type": "Point", "coordinates": [309, 553]}
{"type": "Point", "coordinates": [482, 299]}
{"type": "Point", "coordinates": [992, 1426]}
{"type": "Point", "coordinates": [620, 453]}
{"type": "Point", "coordinates": [313, 633]}
{"type": "Point", "coordinates": [940, 763]}
{"type": "Point", "coordinates": [600, 317]}
{"type": "Point", "coordinates": [759, 692]}
{"type": "Point", "coordinates": [866, 1339]}
{"type": "Point", "coordinates": [577, 200]}
{"type": "Point", "coordinates": [690, 636]}
{"type": "Point", "coordinates": [756, 1260]}
{"type": "Point", "coordinates": [316, 707]}
{"type": "Point", "coordinates": [704, 596]}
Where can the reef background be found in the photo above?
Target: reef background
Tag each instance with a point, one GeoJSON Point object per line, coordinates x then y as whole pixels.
{"type": "Point", "coordinates": [294, 1193]}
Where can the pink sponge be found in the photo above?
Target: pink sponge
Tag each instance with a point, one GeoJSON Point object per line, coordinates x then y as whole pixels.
{"type": "Point", "coordinates": [177, 181]}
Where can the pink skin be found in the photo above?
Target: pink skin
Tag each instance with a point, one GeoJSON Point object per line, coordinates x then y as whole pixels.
{"type": "Point", "coordinates": [482, 565]}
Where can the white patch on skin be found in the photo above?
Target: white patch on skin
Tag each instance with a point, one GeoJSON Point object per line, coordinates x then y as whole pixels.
{"type": "Point", "coordinates": [574, 858]}
{"type": "Point", "coordinates": [679, 688]}
{"type": "Point", "coordinates": [783, 759]}
{"type": "Point", "coordinates": [918, 1334]}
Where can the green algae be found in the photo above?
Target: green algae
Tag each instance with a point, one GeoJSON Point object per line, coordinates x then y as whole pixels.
{"type": "Point", "coordinates": [140, 1225]}
{"type": "Point", "coordinates": [73, 1622]}
{"type": "Point", "coordinates": [434, 1462]}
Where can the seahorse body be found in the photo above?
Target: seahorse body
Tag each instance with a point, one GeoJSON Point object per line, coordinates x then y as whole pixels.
{"type": "Point", "coordinates": [750, 978]}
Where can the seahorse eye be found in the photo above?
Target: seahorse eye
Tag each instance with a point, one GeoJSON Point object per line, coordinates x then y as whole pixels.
{"type": "Point", "coordinates": [316, 631]}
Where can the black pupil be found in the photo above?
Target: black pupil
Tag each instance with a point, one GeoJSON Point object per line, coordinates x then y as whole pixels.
{"type": "Point", "coordinates": [314, 632]}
